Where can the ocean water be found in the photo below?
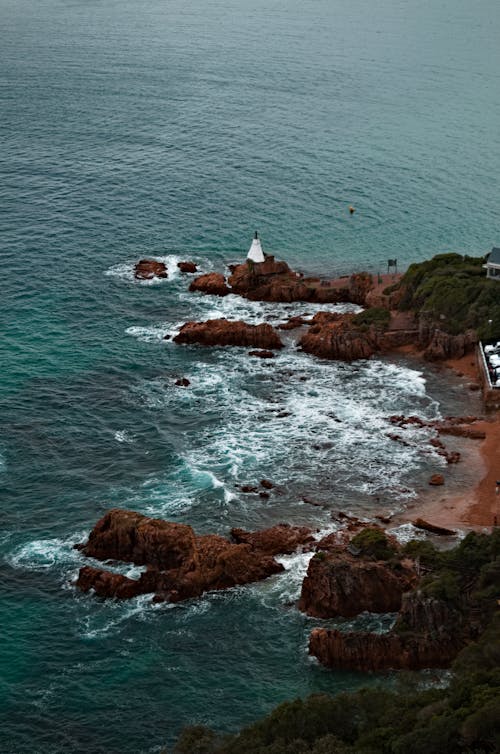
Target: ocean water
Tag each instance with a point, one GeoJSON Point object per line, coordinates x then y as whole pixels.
{"type": "Point", "coordinates": [174, 129]}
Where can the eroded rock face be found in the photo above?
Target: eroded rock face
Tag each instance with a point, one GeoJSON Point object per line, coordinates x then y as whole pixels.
{"type": "Point", "coordinates": [211, 282]}
{"type": "Point", "coordinates": [338, 584]}
{"type": "Point", "coordinates": [427, 634]}
{"type": "Point", "coordinates": [222, 332]}
{"type": "Point", "coordinates": [147, 269]}
{"type": "Point", "coordinates": [282, 538]}
{"type": "Point", "coordinates": [180, 564]}
{"type": "Point", "coordinates": [336, 337]}
{"type": "Point", "coordinates": [441, 345]}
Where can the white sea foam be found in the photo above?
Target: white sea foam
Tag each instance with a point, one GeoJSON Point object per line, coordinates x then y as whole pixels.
{"type": "Point", "coordinates": [123, 436]}
{"type": "Point", "coordinates": [125, 270]}
{"type": "Point", "coordinates": [42, 554]}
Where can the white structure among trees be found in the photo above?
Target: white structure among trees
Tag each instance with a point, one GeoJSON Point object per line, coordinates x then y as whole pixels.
{"type": "Point", "coordinates": [492, 265]}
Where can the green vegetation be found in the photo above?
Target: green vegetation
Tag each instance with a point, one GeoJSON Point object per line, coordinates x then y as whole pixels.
{"type": "Point", "coordinates": [463, 718]}
{"type": "Point", "coordinates": [374, 543]}
{"type": "Point", "coordinates": [453, 291]}
{"type": "Point", "coordinates": [376, 316]}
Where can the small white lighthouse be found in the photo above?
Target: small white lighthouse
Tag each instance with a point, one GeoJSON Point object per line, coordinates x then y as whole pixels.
{"type": "Point", "coordinates": [256, 254]}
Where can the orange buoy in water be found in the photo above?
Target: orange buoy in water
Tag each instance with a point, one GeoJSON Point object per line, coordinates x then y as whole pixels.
{"type": "Point", "coordinates": [352, 210]}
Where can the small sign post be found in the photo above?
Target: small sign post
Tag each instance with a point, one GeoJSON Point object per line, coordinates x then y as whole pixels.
{"type": "Point", "coordinates": [392, 263]}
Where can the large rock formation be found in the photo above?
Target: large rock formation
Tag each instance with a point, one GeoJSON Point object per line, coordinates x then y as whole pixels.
{"type": "Point", "coordinates": [440, 345]}
{"type": "Point", "coordinates": [339, 584]}
{"type": "Point", "coordinates": [211, 282]}
{"type": "Point", "coordinates": [179, 563]}
{"type": "Point", "coordinates": [187, 267]}
{"type": "Point", "coordinates": [334, 336]}
{"type": "Point", "coordinates": [147, 269]}
{"type": "Point", "coordinates": [222, 332]}
{"type": "Point", "coordinates": [428, 634]}
{"type": "Point", "coordinates": [282, 538]}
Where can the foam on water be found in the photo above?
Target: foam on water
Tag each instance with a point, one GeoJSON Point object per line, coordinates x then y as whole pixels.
{"type": "Point", "coordinates": [123, 436]}
{"type": "Point", "coordinates": [125, 270]}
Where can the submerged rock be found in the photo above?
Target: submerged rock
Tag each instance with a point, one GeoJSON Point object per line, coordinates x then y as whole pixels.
{"type": "Point", "coordinates": [282, 538]}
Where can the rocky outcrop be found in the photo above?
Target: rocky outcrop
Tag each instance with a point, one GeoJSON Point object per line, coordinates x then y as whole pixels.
{"type": "Point", "coordinates": [428, 634]}
{"type": "Point", "coordinates": [282, 538]}
{"type": "Point", "coordinates": [147, 269]}
{"type": "Point", "coordinates": [180, 564]}
{"type": "Point", "coordinates": [275, 281]}
{"type": "Point", "coordinates": [187, 267]}
{"type": "Point", "coordinates": [338, 584]}
{"type": "Point", "coordinates": [441, 345]}
{"type": "Point", "coordinates": [222, 332]}
{"type": "Point", "coordinates": [337, 337]}
{"type": "Point", "coordinates": [212, 282]}
{"type": "Point", "coordinates": [436, 480]}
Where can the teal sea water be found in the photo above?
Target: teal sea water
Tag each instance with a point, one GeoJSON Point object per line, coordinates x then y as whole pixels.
{"type": "Point", "coordinates": [172, 129]}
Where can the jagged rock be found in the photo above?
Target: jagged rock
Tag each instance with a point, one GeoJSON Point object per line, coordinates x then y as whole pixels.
{"type": "Point", "coordinates": [340, 584]}
{"type": "Point", "coordinates": [212, 282]}
{"type": "Point", "coordinates": [440, 345]}
{"type": "Point", "coordinates": [282, 538]}
{"type": "Point", "coordinates": [336, 337]}
{"type": "Point", "coordinates": [427, 634]}
{"type": "Point", "coordinates": [187, 267]}
{"type": "Point", "coordinates": [222, 332]}
{"type": "Point", "coordinates": [262, 354]}
{"type": "Point", "coordinates": [180, 564]}
{"type": "Point", "coordinates": [147, 269]}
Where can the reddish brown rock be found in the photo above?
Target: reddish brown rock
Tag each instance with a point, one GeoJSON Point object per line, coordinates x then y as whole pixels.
{"type": "Point", "coordinates": [267, 484]}
{"type": "Point", "coordinates": [262, 354]}
{"type": "Point", "coordinates": [292, 323]}
{"type": "Point", "coordinates": [420, 523]}
{"type": "Point", "coordinates": [436, 480]}
{"type": "Point", "coordinates": [147, 269]}
{"type": "Point", "coordinates": [340, 584]}
{"type": "Point", "coordinates": [428, 634]}
{"type": "Point", "coordinates": [187, 267]}
{"type": "Point", "coordinates": [182, 382]}
{"type": "Point", "coordinates": [339, 338]}
{"type": "Point", "coordinates": [458, 431]}
{"type": "Point", "coordinates": [222, 332]}
{"type": "Point", "coordinates": [180, 564]}
{"type": "Point", "coordinates": [440, 345]}
{"type": "Point", "coordinates": [282, 538]}
{"type": "Point", "coordinates": [212, 282]}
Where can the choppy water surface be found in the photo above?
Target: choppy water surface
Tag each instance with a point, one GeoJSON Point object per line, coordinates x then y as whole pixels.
{"type": "Point", "coordinates": [173, 129]}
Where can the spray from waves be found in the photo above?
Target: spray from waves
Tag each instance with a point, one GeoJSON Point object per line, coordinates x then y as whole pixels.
{"type": "Point", "coordinates": [123, 436]}
{"type": "Point", "coordinates": [125, 270]}
{"type": "Point", "coordinates": [235, 307]}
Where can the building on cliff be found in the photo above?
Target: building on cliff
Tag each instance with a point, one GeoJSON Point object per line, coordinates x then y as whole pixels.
{"type": "Point", "coordinates": [492, 265]}
{"type": "Point", "coordinates": [256, 254]}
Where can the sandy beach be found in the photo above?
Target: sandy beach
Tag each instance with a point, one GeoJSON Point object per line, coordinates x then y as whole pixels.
{"type": "Point", "coordinates": [476, 507]}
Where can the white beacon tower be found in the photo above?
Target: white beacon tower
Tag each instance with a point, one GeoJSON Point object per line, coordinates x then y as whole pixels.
{"type": "Point", "coordinates": [256, 254]}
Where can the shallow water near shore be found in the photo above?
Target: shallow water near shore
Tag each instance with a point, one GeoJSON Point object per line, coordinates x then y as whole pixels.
{"type": "Point", "coordinates": [173, 130]}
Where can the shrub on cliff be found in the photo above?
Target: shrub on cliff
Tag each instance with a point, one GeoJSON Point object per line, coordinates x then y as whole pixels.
{"type": "Point", "coordinates": [376, 317]}
{"type": "Point", "coordinates": [454, 292]}
{"type": "Point", "coordinates": [374, 543]}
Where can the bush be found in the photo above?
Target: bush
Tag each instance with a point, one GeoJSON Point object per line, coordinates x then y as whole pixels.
{"type": "Point", "coordinates": [374, 543]}
{"type": "Point", "coordinates": [376, 317]}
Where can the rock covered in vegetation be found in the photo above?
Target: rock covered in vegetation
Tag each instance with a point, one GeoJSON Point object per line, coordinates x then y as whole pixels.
{"type": "Point", "coordinates": [147, 269]}
{"type": "Point", "coordinates": [212, 282]}
{"type": "Point", "coordinates": [222, 332]}
{"type": "Point", "coordinates": [180, 564]}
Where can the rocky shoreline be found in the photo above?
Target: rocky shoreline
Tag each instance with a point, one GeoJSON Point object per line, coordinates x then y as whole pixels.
{"type": "Point", "coordinates": [356, 569]}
